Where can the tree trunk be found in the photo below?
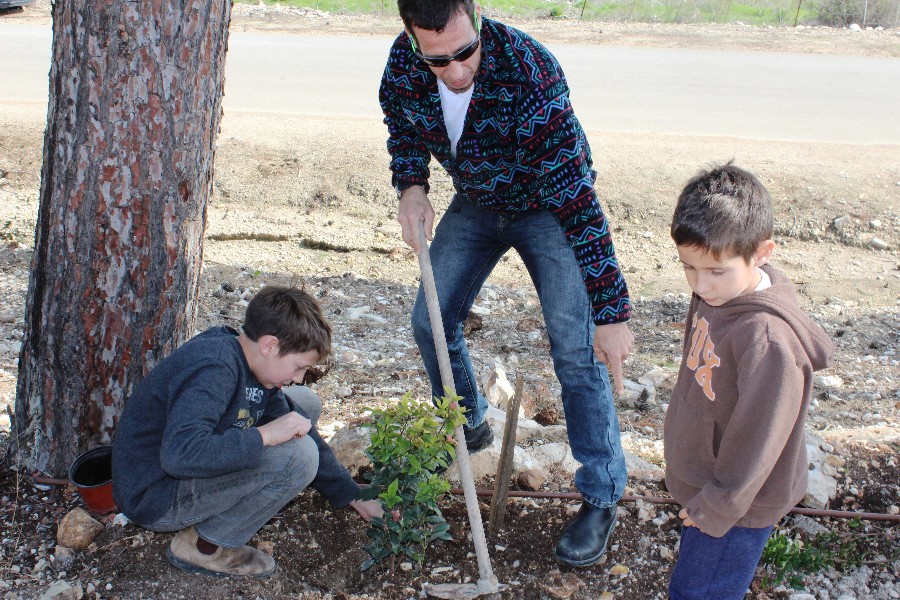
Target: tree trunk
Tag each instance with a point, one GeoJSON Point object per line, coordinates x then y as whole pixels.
{"type": "Point", "coordinates": [133, 116]}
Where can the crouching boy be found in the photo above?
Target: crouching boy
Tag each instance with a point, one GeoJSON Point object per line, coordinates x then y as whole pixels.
{"type": "Point", "coordinates": [734, 431]}
{"type": "Point", "coordinates": [208, 444]}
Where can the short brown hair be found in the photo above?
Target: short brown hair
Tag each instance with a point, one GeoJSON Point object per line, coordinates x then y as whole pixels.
{"type": "Point", "coordinates": [724, 209]}
{"type": "Point", "coordinates": [291, 315]}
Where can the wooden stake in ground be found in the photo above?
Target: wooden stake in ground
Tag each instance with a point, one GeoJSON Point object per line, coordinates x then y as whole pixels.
{"type": "Point", "coordinates": [487, 582]}
{"type": "Point", "coordinates": [507, 453]}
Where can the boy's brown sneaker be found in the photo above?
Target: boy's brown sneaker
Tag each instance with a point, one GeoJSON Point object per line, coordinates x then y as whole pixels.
{"type": "Point", "coordinates": [224, 562]}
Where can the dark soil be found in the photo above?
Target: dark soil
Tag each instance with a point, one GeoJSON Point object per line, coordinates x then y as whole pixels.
{"type": "Point", "coordinates": [319, 550]}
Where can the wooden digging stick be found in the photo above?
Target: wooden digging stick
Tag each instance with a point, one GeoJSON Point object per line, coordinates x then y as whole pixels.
{"type": "Point", "coordinates": [507, 453]}
{"type": "Point", "coordinates": [487, 582]}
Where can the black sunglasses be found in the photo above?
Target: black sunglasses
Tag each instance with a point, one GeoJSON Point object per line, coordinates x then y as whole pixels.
{"type": "Point", "coordinates": [443, 61]}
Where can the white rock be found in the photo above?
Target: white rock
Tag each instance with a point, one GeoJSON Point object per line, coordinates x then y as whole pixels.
{"type": "Point", "coordinates": [637, 395]}
{"type": "Point", "coordinates": [810, 526]}
{"type": "Point", "coordinates": [63, 590]}
{"type": "Point", "coordinates": [529, 429]}
{"type": "Point", "coordinates": [349, 445]}
{"type": "Point", "coordinates": [629, 397]}
{"type": "Point", "coordinates": [638, 468]}
{"type": "Point", "coordinates": [363, 312]}
{"type": "Point", "coordinates": [488, 293]}
{"type": "Point", "coordinates": [62, 557]}
{"type": "Point", "coordinates": [838, 223]}
{"type": "Point", "coordinates": [633, 385]}
{"type": "Point", "coordinates": [828, 381]}
{"type": "Point", "coordinates": [661, 519]}
{"type": "Point", "coordinates": [854, 27]}
{"type": "Point", "coordinates": [348, 356]}
{"type": "Point", "coordinates": [646, 511]}
{"type": "Point", "coordinates": [77, 529]}
{"type": "Point", "coordinates": [654, 377]}
{"type": "Point", "coordinates": [497, 389]}
{"type": "Point", "coordinates": [821, 487]}
{"type": "Point", "coordinates": [480, 310]}
{"type": "Point", "coordinates": [878, 244]}
{"type": "Point", "coordinates": [536, 456]}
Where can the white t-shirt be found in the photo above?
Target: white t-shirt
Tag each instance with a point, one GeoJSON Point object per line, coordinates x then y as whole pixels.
{"type": "Point", "coordinates": [764, 281]}
{"type": "Point", "coordinates": [454, 107]}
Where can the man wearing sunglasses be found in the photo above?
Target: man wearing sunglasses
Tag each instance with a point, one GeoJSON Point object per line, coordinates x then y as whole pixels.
{"type": "Point", "coordinates": [492, 106]}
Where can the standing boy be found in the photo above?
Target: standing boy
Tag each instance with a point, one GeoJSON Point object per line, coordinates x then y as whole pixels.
{"type": "Point", "coordinates": [209, 446]}
{"type": "Point", "coordinates": [492, 105]}
{"type": "Point", "coordinates": [734, 431]}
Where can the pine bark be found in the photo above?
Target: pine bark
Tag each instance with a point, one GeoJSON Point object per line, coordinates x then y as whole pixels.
{"type": "Point", "coordinates": [133, 116]}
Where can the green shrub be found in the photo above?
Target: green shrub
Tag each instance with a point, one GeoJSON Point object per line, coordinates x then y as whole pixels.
{"type": "Point", "coordinates": [788, 559]}
{"type": "Point", "coordinates": [411, 441]}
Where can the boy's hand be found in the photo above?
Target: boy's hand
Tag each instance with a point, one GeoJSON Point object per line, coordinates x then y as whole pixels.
{"type": "Point", "coordinates": [612, 345]}
{"type": "Point", "coordinates": [368, 509]}
{"type": "Point", "coordinates": [686, 520]}
{"type": "Point", "coordinates": [284, 428]}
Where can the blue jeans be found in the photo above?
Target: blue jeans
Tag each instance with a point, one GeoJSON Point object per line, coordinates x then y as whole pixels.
{"type": "Point", "coordinates": [468, 243]}
{"type": "Point", "coordinates": [228, 510]}
{"type": "Point", "coordinates": [722, 568]}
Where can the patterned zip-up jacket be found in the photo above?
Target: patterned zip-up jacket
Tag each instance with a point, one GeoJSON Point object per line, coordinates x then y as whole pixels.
{"type": "Point", "coordinates": [522, 148]}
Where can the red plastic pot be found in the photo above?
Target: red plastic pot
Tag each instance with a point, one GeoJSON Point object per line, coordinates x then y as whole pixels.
{"type": "Point", "coordinates": [91, 474]}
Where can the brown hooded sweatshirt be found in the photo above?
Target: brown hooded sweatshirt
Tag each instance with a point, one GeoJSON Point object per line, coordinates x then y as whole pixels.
{"type": "Point", "coordinates": [734, 431]}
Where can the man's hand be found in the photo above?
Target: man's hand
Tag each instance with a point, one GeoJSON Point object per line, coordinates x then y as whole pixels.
{"type": "Point", "coordinates": [414, 208]}
{"type": "Point", "coordinates": [612, 345]}
{"type": "Point", "coordinates": [685, 519]}
{"type": "Point", "coordinates": [284, 428]}
{"type": "Point", "coordinates": [368, 509]}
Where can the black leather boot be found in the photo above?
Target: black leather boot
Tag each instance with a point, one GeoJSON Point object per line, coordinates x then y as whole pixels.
{"type": "Point", "coordinates": [479, 437]}
{"type": "Point", "coordinates": [583, 541]}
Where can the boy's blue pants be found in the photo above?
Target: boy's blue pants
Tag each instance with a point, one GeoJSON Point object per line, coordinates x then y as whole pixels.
{"type": "Point", "coordinates": [710, 568]}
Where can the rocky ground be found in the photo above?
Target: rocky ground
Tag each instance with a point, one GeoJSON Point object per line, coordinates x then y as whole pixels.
{"type": "Point", "coordinates": [286, 210]}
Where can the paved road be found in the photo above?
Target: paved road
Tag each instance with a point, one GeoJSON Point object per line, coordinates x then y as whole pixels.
{"type": "Point", "coordinates": [791, 97]}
